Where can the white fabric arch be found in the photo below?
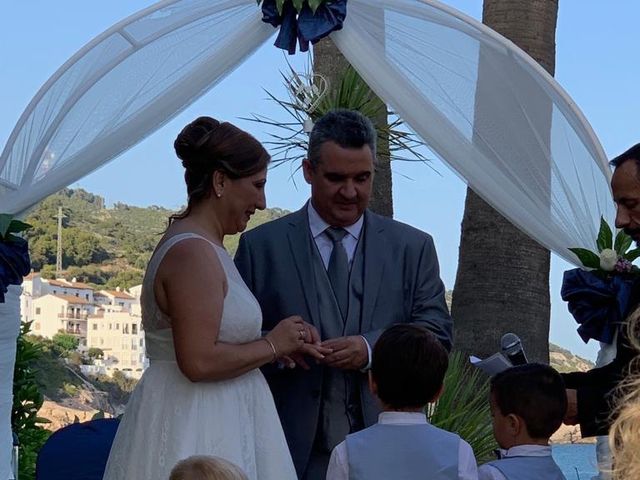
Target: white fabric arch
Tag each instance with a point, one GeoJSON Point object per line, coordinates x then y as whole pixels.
{"type": "Point", "coordinates": [121, 87]}
{"type": "Point", "coordinates": [483, 106]}
{"type": "Point", "coordinates": [486, 108]}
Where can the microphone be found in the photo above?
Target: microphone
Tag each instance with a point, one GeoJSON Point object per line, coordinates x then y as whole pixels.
{"type": "Point", "coordinates": [511, 347]}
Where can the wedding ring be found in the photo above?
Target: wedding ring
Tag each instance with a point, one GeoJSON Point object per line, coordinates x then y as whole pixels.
{"type": "Point", "coordinates": [302, 333]}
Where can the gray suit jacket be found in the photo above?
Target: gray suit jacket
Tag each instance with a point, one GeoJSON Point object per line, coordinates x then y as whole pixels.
{"type": "Point", "coordinates": [401, 285]}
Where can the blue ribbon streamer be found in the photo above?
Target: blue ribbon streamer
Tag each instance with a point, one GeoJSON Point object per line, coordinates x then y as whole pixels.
{"type": "Point", "coordinates": [14, 264]}
{"type": "Point", "coordinates": [598, 303]}
{"type": "Point", "coordinates": [303, 27]}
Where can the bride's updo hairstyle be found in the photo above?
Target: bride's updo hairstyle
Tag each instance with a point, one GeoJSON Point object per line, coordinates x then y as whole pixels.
{"type": "Point", "coordinates": [205, 146]}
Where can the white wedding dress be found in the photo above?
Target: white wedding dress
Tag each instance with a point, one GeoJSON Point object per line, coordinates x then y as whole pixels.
{"type": "Point", "coordinates": [169, 418]}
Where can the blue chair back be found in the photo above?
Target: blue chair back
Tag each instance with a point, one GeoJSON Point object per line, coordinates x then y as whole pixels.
{"type": "Point", "coordinates": [78, 451]}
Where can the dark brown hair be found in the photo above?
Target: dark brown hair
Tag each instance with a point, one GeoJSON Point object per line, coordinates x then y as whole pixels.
{"type": "Point", "coordinates": [632, 154]}
{"type": "Point", "coordinates": [534, 392]}
{"type": "Point", "coordinates": [205, 146]}
{"type": "Point", "coordinates": [408, 366]}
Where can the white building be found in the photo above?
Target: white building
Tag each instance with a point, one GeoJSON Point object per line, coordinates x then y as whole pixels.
{"type": "Point", "coordinates": [53, 313]}
{"type": "Point", "coordinates": [115, 300]}
{"type": "Point", "coordinates": [107, 319]}
{"type": "Point", "coordinates": [60, 286]}
{"type": "Point", "coordinates": [120, 336]}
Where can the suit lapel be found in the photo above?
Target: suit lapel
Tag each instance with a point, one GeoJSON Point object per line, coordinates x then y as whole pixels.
{"type": "Point", "coordinates": [374, 265]}
{"type": "Point", "coordinates": [300, 245]}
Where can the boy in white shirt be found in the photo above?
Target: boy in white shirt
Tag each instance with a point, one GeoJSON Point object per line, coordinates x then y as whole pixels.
{"type": "Point", "coordinates": [407, 371]}
{"type": "Point", "coordinates": [528, 403]}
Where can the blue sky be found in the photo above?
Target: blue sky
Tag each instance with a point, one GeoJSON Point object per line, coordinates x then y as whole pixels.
{"type": "Point", "coordinates": [596, 64]}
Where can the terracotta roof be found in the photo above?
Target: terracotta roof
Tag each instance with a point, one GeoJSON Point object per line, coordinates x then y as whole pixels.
{"type": "Point", "coordinates": [66, 284]}
{"type": "Point", "coordinates": [122, 295]}
{"type": "Point", "coordinates": [83, 286]}
{"type": "Point", "coordinates": [72, 299]}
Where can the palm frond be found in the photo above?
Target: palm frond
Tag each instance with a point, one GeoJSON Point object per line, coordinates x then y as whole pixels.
{"type": "Point", "coordinates": [352, 93]}
{"type": "Point", "coordinates": [463, 407]}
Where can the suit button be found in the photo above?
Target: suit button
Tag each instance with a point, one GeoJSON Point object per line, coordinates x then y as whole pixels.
{"type": "Point", "coordinates": [315, 393]}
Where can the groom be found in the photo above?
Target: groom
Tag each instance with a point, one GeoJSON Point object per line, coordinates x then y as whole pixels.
{"type": "Point", "coordinates": [348, 272]}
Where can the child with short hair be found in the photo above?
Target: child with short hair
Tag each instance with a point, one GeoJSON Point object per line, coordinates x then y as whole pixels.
{"type": "Point", "coordinates": [407, 373]}
{"type": "Point", "coordinates": [528, 403]}
{"type": "Point", "coordinates": [206, 467]}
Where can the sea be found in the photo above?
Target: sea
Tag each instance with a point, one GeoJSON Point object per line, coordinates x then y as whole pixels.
{"type": "Point", "coordinates": [577, 461]}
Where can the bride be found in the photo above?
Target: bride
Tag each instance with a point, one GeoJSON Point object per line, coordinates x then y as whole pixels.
{"type": "Point", "coordinates": [203, 392]}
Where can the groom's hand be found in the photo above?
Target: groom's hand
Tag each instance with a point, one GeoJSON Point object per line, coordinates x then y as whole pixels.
{"type": "Point", "coordinates": [349, 353]}
{"type": "Point", "coordinates": [299, 358]}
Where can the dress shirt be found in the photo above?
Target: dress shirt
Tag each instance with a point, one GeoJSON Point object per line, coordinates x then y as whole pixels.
{"type": "Point", "coordinates": [339, 462]}
{"type": "Point", "coordinates": [489, 472]}
{"type": "Point", "coordinates": [325, 246]}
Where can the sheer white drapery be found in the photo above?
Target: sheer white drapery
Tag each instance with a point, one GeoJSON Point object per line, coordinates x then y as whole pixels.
{"type": "Point", "coordinates": [122, 86]}
{"type": "Point", "coordinates": [487, 109]}
{"type": "Point", "coordinates": [483, 106]}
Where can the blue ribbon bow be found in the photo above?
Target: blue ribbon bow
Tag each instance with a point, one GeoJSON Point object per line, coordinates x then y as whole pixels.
{"type": "Point", "coordinates": [14, 264]}
{"type": "Point", "coordinates": [599, 304]}
{"type": "Point", "coordinates": [305, 26]}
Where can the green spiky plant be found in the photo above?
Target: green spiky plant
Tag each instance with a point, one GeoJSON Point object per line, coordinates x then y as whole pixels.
{"type": "Point", "coordinates": [27, 401]}
{"type": "Point", "coordinates": [463, 407]}
{"type": "Point", "coordinates": [289, 140]}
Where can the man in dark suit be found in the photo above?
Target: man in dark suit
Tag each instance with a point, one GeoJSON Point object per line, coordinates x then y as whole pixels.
{"type": "Point", "coordinates": [348, 272]}
{"type": "Point", "coordinates": [591, 394]}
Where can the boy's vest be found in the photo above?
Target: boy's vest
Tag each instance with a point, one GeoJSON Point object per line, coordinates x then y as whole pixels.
{"type": "Point", "coordinates": [528, 468]}
{"type": "Point", "coordinates": [403, 452]}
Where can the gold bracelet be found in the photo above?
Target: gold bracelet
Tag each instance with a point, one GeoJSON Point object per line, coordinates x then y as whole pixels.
{"type": "Point", "coordinates": [273, 348]}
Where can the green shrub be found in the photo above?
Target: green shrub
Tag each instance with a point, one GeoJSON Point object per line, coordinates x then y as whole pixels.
{"type": "Point", "coordinates": [66, 343]}
{"type": "Point", "coordinates": [27, 400]}
{"type": "Point", "coordinates": [70, 389]}
{"type": "Point", "coordinates": [463, 407]}
{"type": "Point", "coordinates": [94, 353]}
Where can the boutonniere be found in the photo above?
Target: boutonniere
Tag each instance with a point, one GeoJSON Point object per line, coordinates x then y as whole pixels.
{"type": "Point", "coordinates": [598, 294]}
{"type": "Point", "coordinates": [612, 257]}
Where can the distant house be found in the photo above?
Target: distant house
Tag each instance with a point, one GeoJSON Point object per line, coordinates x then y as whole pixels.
{"type": "Point", "coordinates": [115, 300]}
{"type": "Point", "coordinates": [120, 336]}
{"type": "Point", "coordinates": [106, 319]}
{"type": "Point", "coordinates": [60, 286]}
{"type": "Point", "coordinates": [55, 313]}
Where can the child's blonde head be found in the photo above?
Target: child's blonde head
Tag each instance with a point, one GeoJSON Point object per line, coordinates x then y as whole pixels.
{"type": "Point", "coordinates": [204, 467]}
{"type": "Point", "coordinates": [624, 436]}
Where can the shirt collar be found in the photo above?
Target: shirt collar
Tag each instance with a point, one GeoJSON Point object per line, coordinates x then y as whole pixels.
{"type": "Point", "coordinates": [317, 225]}
{"type": "Point", "coordinates": [527, 451]}
{"type": "Point", "coordinates": [402, 418]}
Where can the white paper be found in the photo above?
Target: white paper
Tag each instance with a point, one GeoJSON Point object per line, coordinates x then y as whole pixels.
{"type": "Point", "coordinates": [492, 365]}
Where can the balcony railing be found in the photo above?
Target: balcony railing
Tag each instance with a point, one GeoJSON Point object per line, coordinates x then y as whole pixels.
{"type": "Point", "coordinates": [73, 330]}
{"type": "Point", "coordinates": [74, 316]}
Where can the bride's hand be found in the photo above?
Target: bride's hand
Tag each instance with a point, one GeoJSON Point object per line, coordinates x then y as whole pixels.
{"type": "Point", "coordinates": [288, 335]}
{"type": "Point", "coordinates": [309, 346]}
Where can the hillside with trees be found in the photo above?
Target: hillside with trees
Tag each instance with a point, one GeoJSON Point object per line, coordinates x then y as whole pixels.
{"type": "Point", "coordinates": [107, 247]}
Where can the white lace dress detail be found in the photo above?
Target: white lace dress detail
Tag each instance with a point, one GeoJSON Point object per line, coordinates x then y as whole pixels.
{"type": "Point", "coordinates": [169, 418]}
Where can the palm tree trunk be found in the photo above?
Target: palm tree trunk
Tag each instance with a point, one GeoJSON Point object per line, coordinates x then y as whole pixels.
{"type": "Point", "coordinates": [502, 284]}
{"type": "Point", "coordinates": [329, 62]}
